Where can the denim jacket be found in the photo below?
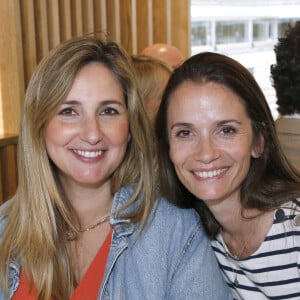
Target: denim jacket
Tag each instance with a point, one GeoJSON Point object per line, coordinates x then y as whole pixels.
{"type": "Point", "coordinates": [171, 259]}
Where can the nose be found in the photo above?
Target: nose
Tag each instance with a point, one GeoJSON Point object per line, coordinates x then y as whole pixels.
{"type": "Point", "coordinates": [206, 150]}
{"type": "Point", "coordinates": [91, 131]}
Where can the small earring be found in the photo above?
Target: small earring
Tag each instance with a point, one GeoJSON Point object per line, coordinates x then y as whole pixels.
{"type": "Point", "coordinates": [256, 155]}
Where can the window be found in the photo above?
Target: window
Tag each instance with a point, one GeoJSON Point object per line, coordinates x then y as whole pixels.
{"type": "Point", "coordinates": [246, 30]}
{"type": "Point", "coordinates": [199, 33]}
{"type": "Point", "coordinates": [261, 30]}
{"type": "Point", "coordinates": [230, 32]}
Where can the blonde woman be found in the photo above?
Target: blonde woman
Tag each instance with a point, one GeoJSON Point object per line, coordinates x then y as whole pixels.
{"type": "Point", "coordinates": [152, 77]}
{"type": "Point", "coordinates": [84, 223]}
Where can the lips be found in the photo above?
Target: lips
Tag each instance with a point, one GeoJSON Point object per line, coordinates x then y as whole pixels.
{"type": "Point", "coordinates": [211, 173]}
{"type": "Point", "coordinates": [88, 154]}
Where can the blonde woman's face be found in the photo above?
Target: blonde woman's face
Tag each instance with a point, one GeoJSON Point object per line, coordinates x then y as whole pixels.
{"type": "Point", "coordinates": [87, 138]}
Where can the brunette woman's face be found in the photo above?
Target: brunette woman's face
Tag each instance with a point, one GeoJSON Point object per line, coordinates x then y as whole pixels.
{"type": "Point", "coordinates": [87, 138]}
{"type": "Point", "coordinates": [211, 140]}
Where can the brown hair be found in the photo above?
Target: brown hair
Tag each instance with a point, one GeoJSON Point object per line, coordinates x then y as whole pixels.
{"type": "Point", "coordinates": [271, 180]}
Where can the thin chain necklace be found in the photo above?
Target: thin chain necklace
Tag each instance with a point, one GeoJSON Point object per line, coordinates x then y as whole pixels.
{"type": "Point", "coordinates": [101, 221]}
{"type": "Point", "coordinates": [239, 255]}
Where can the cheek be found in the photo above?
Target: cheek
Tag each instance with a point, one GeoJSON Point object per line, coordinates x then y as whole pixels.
{"type": "Point", "coordinates": [51, 134]}
{"type": "Point", "coordinates": [243, 152]}
{"type": "Point", "coordinates": [119, 134]}
{"type": "Point", "coordinates": [242, 158]}
{"type": "Point", "coordinates": [179, 161]}
{"type": "Point", "coordinates": [56, 133]}
{"type": "Point", "coordinates": [176, 154]}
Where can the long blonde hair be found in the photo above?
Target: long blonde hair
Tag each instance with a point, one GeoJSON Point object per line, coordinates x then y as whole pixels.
{"type": "Point", "coordinates": [152, 76]}
{"type": "Point", "coordinates": [39, 214]}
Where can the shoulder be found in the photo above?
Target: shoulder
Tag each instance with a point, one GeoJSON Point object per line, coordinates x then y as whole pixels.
{"type": "Point", "coordinates": [292, 212]}
{"type": "Point", "coordinates": [167, 212]}
{"type": "Point", "coordinates": [289, 209]}
{"type": "Point", "coordinates": [3, 216]}
{"type": "Point", "coordinates": [122, 196]}
{"type": "Point", "coordinates": [165, 219]}
{"type": "Point", "coordinates": [287, 219]}
{"type": "Point", "coordinates": [173, 223]}
{"type": "Point", "coordinates": [163, 210]}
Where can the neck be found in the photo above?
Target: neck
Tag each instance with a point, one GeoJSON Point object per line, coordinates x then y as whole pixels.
{"type": "Point", "coordinates": [239, 224]}
{"type": "Point", "coordinates": [243, 230]}
{"type": "Point", "coordinates": [228, 213]}
{"type": "Point", "coordinates": [90, 204]}
{"type": "Point", "coordinates": [244, 235]}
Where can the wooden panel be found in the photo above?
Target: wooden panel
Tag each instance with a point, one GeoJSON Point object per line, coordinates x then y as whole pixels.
{"type": "Point", "coordinates": [1, 188]}
{"type": "Point", "coordinates": [77, 26]}
{"type": "Point", "coordinates": [180, 26]}
{"type": "Point", "coordinates": [42, 36]}
{"type": "Point", "coordinates": [99, 31]}
{"type": "Point", "coordinates": [53, 23]}
{"type": "Point", "coordinates": [142, 17]}
{"type": "Point", "coordinates": [28, 37]}
{"type": "Point", "coordinates": [47, 22]}
{"type": "Point", "coordinates": [126, 24]}
{"type": "Point", "coordinates": [65, 19]}
{"type": "Point", "coordinates": [8, 167]}
{"type": "Point", "coordinates": [111, 20]}
{"type": "Point", "coordinates": [88, 16]}
{"type": "Point", "coordinates": [9, 171]}
{"type": "Point", "coordinates": [11, 66]}
{"type": "Point", "coordinates": [159, 21]}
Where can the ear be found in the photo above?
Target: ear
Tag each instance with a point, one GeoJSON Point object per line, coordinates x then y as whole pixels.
{"type": "Point", "coordinates": [258, 146]}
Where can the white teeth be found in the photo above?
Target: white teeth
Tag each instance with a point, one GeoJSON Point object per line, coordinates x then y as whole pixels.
{"type": "Point", "coordinates": [210, 174]}
{"type": "Point", "coordinates": [88, 154]}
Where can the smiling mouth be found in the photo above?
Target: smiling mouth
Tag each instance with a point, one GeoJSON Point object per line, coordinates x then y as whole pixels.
{"type": "Point", "coordinates": [210, 174]}
{"type": "Point", "coordinates": [88, 154]}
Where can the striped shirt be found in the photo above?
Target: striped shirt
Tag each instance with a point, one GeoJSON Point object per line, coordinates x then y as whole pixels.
{"type": "Point", "coordinates": [273, 271]}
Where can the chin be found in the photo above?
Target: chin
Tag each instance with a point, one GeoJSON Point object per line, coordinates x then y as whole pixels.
{"type": "Point", "coordinates": [207, 197]}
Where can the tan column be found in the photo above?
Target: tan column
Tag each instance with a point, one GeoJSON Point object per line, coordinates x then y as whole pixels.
{"type": "Point", "coordinates": [11, 67]}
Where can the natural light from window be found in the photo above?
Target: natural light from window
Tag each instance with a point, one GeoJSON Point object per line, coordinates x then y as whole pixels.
{"type": "Point", "coordinates": [245, 30]}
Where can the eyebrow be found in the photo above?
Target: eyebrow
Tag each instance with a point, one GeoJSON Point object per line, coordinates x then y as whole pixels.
{"type": "Point", "coordinates": [70, 102]}
{"type": "Point", "coordinates": [185, 124]}
{"type": "Point", "coordinates": [229, 121]}
{"type": "Point", "coordinates": [219, 123]}
{"type": "Point", "coordinates": [105, 102]}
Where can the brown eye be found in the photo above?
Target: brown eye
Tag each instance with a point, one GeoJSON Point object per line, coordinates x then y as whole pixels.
{"type": "Point", "coordinates": [67, 111]}
{"type": "Point", "coordinates": [109, 111]}
{"type": "Point", "coordinates": [228, 130]}
{"type": "Point", "coordinates": [183, 133]}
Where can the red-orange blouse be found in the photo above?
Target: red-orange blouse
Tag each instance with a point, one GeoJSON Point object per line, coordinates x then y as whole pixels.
{"type": "Point", "coordinates": [88, 287]}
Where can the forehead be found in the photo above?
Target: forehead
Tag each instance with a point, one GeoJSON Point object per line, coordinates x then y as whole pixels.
{"type": "Point", "coordinates": [95, 76]}
{"type": "Point", "coordinates": [208, 100]}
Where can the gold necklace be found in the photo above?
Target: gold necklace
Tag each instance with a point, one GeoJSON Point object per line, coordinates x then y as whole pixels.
{"type": "Point", "coordinates": [101, 221]}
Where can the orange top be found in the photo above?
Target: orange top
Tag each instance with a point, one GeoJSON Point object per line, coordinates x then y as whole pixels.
{"type": "Point", "coordinates": [88, 287]}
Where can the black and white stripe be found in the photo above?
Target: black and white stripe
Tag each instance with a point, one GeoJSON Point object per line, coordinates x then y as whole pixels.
{"type": "Point", "coordinates": [273, 271]}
